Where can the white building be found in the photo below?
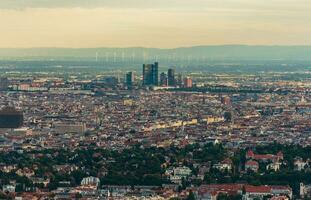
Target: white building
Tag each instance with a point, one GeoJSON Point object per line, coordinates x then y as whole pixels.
{"type": "Point", "coordinates": [305, 190]}
{"type": "Point", "coordinates": [178, 173]}
{"type": "Point", "coordinates": [94, 181]}
{"type": "Point", "coordinates": [300, 164]}
{"type": "Point", "coordinates": [8, 188]}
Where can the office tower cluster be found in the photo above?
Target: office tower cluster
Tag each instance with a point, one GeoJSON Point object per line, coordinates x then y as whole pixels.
{"type": "Point", "coordinates": [151, 77]}
{"type": "Point", "coordinates": [168, 79]}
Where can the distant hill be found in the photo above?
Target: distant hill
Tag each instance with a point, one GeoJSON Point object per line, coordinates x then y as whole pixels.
{"type": "Point", "coordinates": [223, 52]}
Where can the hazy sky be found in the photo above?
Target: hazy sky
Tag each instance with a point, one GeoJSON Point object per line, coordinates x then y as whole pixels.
{"type": "Point", "coordinates": [153, 23]}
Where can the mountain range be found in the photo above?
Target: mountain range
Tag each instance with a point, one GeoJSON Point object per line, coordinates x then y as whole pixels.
{"type": "Point", "coordinates": [221, 52]}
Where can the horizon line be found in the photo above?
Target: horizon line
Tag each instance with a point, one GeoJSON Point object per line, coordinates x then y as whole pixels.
{"type": "Point", "coordinates": [165, 48]}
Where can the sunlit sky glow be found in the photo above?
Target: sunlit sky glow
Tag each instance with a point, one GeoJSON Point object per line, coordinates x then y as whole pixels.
{"type": "Point", "coordinates": [150, 23]}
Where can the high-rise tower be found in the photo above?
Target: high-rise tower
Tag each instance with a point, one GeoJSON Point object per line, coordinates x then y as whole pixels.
{"type": "Point", "coordinates": [129, 79]}
{"type": "Point", "coordinates": [171, 77]}
{"type": "Point", "coordinates": [151, 74]}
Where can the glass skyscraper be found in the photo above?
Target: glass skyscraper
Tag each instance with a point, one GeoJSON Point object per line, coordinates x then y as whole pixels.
{"type": "Point", "coordinates": [151, 74]}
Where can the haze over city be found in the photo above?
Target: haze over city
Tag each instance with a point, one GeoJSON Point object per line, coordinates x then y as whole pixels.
{"type": "Point", "coordinates": [155, 100]}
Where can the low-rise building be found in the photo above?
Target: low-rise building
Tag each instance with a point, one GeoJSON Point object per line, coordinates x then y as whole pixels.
{"type": "Point", "coordinates": [252, 165]}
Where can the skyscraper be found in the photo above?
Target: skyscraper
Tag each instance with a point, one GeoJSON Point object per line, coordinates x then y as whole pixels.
{"type": "Point", "coordinates": [171, 77]}
{"type": "Point", "coordinates": [129, 79]}
{"type": "Point", "coordinates": [187, 82]}
{"type": "Point", "coordinates": [163, 79]}
{"type": "Point", "coordinates": [151, 74]}
{"type": "Point", "coordinates": [4, 83]}
{"type": "Point", "coordinates": [155, 73]}
{"type": "Point", "coordinates": [147, 74]}
{"type": "Point", "coordinates": [179, 80]}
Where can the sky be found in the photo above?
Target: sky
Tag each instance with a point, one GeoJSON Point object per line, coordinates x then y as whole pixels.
{"type": "Point", "coordinates": [153, 23]}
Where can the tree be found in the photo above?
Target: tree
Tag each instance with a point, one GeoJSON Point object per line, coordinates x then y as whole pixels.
{"type": "Point", "coordinates": [78, 196]}
{"type": "Point", "coordinates": [229, 197]}
{"type": "Point", "coordinates": [191, 196]}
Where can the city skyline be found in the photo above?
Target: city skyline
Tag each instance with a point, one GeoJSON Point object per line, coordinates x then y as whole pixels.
{"type": "Point", "coordinates": [155, 100]}
{"type": "Point", "coordinates": [161, 24]}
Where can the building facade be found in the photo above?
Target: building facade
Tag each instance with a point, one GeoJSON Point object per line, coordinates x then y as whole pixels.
{"type": "Point", "coordinates": [171, 77]}
{"type": "Point", "coordinates": [151, 74]}
{"type": "Point", "coordinates": [130, 78]}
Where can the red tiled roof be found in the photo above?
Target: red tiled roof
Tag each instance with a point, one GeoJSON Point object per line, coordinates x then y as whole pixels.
{"type": "Point", "coordinates": [220, 188]}
{"type": "Point", "coordinates": [257, 189]}
{"type": "Point", "coordinates": [279, 187]}
{"type": "Point", "coordinates": [227, 161]}
{"type": "Point", "coordinates": [252, 163]}
{"type": "Point", "coordinates": [279, 198]}
{"type": "Point", "coordinates": [264, 157]}
{"type": "Point", "coordinates": [250, 153]}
